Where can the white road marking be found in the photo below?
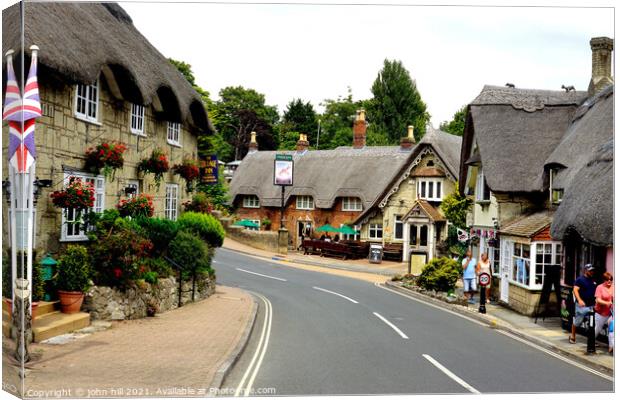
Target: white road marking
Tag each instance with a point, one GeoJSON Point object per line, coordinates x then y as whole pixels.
{"type": "Point", "coordinates": [549, 352]}
{"type": "Point", "coordinates": [264, 276]}
{"type": "Point", "coordinates": [450, 374]}
{"type": "Point", "coordinates": [391, 325]}
{"type": "Point", "coordinates": [567, 360]}
{"type": "Point", "coordinates": [260, 349]}
{"type": "Point", "coordinates": [337, 294]}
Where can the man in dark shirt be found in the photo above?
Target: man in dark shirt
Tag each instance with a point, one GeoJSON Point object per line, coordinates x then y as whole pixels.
{"type": "Point", "coordinates": [583, 291]}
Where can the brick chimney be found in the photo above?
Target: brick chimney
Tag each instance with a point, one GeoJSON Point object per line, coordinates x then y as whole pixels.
{"type": "Point", "coordinates": [406, 143]}
{"type": "Point", "coordinates": [302, 143]}
{"type": "Point", "coordinates": [601, 64]}
{"type": "Point", "coordinates": [253, 146]}
{"type": "Point", "coordinates": [359, 130]}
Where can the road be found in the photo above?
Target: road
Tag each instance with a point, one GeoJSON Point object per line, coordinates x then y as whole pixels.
{"type": "Point", "coordinates": [320, 334]}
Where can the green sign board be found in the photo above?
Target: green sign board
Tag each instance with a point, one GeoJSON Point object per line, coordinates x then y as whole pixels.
{"type": "Point", "coordinates": [284, 157]}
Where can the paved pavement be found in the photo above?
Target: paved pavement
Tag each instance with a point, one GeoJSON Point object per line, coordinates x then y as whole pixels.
{"type": "Point", "coordinates": [546, 333]}
{"type": "Point", "coordinates": [177, 353]}
{"type": "Point", "coordinates": [320, 333]}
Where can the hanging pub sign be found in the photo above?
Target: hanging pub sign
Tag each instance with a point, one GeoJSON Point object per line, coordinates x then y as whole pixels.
{"type": "Point", "coordinates": [283, 170]}
{"type": "Point", "coordinates": [210, 170]}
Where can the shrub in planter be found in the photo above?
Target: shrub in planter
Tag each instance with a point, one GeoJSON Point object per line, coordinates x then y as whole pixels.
{"type": "Point", "coordinates": [199, 203]}
{"type": "Point", "coordinates": [266, 223]}
{"type": "Point", "coordinates": [107, 157]}
{"type": "Point", "coordinates": [190, 252]}
{"type": "Point", "coordinates": [157, 164]}
{"type": "Point", "coordinates": [189, 171]}
{"type": "Point", "coordinates": [73, 278]}
{"type": "Point", "coordinates": [138, 206]}
{"type": "Point", "coordinates": [440, 274]}
{"type": "Point", "coordinates": [204, 225]}
{"type": "Point", "coordinates": [159, 231]}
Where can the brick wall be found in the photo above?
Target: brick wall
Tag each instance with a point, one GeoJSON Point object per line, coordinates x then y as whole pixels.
{"type": "Point", "coordinates": [62, 140]}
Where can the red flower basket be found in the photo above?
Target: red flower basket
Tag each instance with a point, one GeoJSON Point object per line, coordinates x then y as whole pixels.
{"type": "Point", "coordinates": [107, 157]}
{"type": "Point", "coordinates": [189, 171]}
{"type": "Point", "coordinates": [77, 194]}
{"type": "Point", "coordinates": [139, 206]}
{"type": "Point", "coordinates": [157, 164]}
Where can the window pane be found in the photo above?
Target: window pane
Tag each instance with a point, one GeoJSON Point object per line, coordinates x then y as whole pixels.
{"type": "Point", "coordinates": [424, 235]}
{"type": "Point", "coordinates": [526, 251]}
{"type": "Point", "coordinates": [430, 189]}
{"type": "Point", "coordinates": [423, 190]}
{"type": "Point", "coordinates": [413, 234]}
{"type": "Point", "coordinates": [438, 190]}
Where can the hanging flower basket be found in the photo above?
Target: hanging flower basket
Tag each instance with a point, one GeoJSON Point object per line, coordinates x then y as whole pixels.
{"type": "Point", "coordinates": [77, 194]}
{"type": "Point", "coordinates": [106, 158]}
{"type": "Point", "coordinates": [139, 206]}
{"type": "Point", "coordinates": [189, 171]}
{"type": "Point", "coordinates": [157, 164]}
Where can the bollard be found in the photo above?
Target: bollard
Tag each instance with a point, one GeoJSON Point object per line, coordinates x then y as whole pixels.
{"type": "Point", "coordinates": [483, 281]}
{"type": "Point", "coordinates": [590, 333]}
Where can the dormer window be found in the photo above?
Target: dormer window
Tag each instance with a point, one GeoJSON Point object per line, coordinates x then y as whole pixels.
{"type": "Point", "coordinates": [304, 203]}
{"type": "Point", "coordinates": [430, 189]}
{"type": "Point", "coordinates": [174, 133]}
{"type": "Point", "coordinates": [556, 194]}
{"type": "Point", "coordinates": [87, 102]}
{"type": "Point", "coordinates": [136, 120]}
{"type": "Point", "coordinates": [351, 204]}
{"type": "Point", "coordinates": [483, 193]}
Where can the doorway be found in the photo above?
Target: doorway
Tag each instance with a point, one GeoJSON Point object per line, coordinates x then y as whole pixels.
{"type": "Point", "coordinates": [304, 231]}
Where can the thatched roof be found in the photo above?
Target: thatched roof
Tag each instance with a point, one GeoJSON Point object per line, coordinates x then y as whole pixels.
{"type": "Point", "coordinates": [591, 126]}
{"type": "Point", "coordinates": [588, 202]}
{"type": "Point", "coordinates": [78, 40]}
{"type": "Point", "coordinates": [323, 174]}
{"type": "Point", "coordinates": [446, 146]}
{"type": "Point", "coordinates": [515, 131]}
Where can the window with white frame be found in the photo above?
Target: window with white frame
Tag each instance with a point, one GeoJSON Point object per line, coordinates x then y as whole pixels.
{"type": "Point", "coordinates": [548, 255]}
{"type": "Point", "coordinates": [174, 133]}
{"type": "Point", "coordinates": [398, 227]}
{"type": "Point", "coordinates": [170, 204]}
{"type": "Point", "coordinates": [87, 101]}
{"type": "Point", "coordinates": [136, 120]}
{"type": "Point", "coordinates": [483, 193]}
{"type": "Point", "coordinates": [304, 203]}
{"type": "Point", "coordinates": [251, 202]}
{"type": "Point", "coordinates": [351, 204]}
{"type": "Point", "coordinates": [521, 263]}
{"type": "Point", "coordinates": [494, 258]}
{"type": "Point", "coordinates": [375, 231]}
{"type": "Point", "coordinates": [430, 189]}
{"type": "Point", "coordinates": [72, 219]}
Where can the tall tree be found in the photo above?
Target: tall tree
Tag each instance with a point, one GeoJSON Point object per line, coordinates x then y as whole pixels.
{"type": "Point", "coordinates": [457, 125]}
{"type": "Point", "coordinates": [396, 103]}
{"type": "Point", "coordinates": [299, 117]}
{"type": "Point", "coordinates": [241, 111]}
{"type": "Point", "coordinates": [337, 121]}
{"type": "Point", "coordinates": [186, 70]}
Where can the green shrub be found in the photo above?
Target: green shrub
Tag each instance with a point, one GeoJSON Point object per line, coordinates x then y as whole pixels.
{"type": "Point", "coordinates": [159, 231]}
{"type": "Point", "coordinates": [74, 270]}
{"type": "Point", "coordinates": [150, 277]}
{"type": "Point", "coordinates": [199, 203]}
{"type": "Point", "coordinates": [191, 253]}
{"type": "Point", "coordinates": [159, 266]}
{"type": "Point", "coordinates": [205, 226]}
{"type": "Point", "coordinates": [440, 274]}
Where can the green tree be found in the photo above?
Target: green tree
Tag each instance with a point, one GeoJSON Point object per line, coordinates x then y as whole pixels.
{"type": "Point", "coordinates": [455, 207]}
{"type": "Point", "coordinates": [457, 125]}
{"type": "Point", "coordinates": [337, 121]}
{"type": "Point", "coordinates": [299, 117]}
{"type": "Point", "coordinates": [396, 103]}
{"type": "Point", "coordinates": [241, 111]}
{"type": "Point", "coordinates": [186, 70]}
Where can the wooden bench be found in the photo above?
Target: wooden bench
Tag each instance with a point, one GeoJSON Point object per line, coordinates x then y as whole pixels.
{"type": "Point", "coordinates": [393, 251]}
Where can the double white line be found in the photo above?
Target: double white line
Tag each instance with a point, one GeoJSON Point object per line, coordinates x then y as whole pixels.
{"type": "Point", "coordinates": [261, 349]}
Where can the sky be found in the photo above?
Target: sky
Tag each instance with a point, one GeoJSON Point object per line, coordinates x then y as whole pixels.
{"type": "Point", "coordinates": [315, 52]}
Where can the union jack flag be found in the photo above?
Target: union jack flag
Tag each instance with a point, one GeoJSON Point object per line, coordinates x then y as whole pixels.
{"type": "Point", "coordinates": [22, 152]}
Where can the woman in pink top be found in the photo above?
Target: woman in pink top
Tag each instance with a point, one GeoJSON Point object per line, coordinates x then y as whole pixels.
{"type": "Point", "coordinates": [604, 300]}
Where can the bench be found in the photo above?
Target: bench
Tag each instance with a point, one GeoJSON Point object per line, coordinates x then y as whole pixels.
{"type": "Point", "coordinates": [393, 251]}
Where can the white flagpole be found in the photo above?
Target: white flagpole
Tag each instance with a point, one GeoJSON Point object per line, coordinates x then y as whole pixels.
{"type": "Point", "coordinates": [13, 230]}
{"type": "Point", "coordinates": [29, 224]}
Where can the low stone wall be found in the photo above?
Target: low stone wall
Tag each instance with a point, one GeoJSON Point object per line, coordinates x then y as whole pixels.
{"type": "Point", "coordinates": [107, 303]}
{"type": "Point", "coordinates": [264, 240]}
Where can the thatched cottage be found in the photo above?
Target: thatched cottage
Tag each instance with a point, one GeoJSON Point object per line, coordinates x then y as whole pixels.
{"type": "Point", "coordinates": [101, 81]}
{"type": "Point", "coordinates": [523, 151]}
{"type": "Point", "coordinates": [338, 186]}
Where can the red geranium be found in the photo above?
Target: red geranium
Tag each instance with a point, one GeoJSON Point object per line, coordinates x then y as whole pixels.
{"type": "Point", "coordinates": [78, 195]}
{"type": "Point", "coordinates": [106, 156]}
{"type": "Point", "coordinates": [139, 206]}
{"type": "Point", "coordinates": [189, 171]}
{"type": "Point", "coordinates": [156, 164]}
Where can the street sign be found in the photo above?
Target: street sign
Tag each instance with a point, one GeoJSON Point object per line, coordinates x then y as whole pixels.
{"type": "Point", "coordinates": [484, 279]}
{"type": "Point", "coordinates": [283, 170]}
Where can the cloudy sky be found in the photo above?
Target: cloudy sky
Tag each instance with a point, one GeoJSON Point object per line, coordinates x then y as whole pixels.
{"type": "Point", "coordinates": [316, 51]}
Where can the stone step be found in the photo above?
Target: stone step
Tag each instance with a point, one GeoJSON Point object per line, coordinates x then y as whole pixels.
{"type": "Point", "coordinates": [43, 308]}
{"type": "Point", "coordinates": [57, 323]}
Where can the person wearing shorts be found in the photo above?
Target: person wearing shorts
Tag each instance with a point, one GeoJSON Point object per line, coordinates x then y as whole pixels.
{"type": "Point", "coordinates": [583, 290]}
{"type": "Point", "coordinates": [469, 275]}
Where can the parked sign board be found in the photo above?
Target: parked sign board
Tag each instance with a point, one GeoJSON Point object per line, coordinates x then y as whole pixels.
{"type": "Point", "coordinates": [283, 170]}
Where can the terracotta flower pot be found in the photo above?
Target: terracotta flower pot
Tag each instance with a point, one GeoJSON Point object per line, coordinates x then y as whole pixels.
{"type": "Point", "coordinates": [70, 302]}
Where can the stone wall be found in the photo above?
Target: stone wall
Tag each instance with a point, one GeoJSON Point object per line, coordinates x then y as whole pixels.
{"type": "Point", "coordinates": [62, 139]}
{"type": "Point", "coordinates": [113, 304]}
{"type": "Point", "coordinates": [264, 240]}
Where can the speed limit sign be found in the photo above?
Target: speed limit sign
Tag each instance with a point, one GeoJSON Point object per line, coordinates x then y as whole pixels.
{"type": "Point", "coordinates": [484, 279]}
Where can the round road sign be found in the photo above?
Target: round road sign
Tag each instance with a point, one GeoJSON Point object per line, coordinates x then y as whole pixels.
{"type": "Point", "coordinates": [484, 279]}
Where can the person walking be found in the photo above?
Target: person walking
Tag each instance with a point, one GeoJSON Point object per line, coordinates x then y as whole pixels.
{"type": "Point", "coordinates": [469, 275]}
{"type": "Point", "coordinates": [583, 291]}
{"type": "Point", "coordinates": [604, 298]}
{"type": "Point", "coordinates": [484, 266]}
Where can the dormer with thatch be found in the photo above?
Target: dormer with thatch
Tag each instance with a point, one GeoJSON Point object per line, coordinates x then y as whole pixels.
{"type": "Point", "coordinates": [101, 81]}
